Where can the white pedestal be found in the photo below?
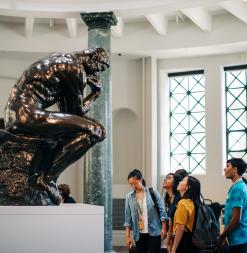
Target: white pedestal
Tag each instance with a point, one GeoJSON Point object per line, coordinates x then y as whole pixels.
{"type": "Point", "coordinates": [69, 228]}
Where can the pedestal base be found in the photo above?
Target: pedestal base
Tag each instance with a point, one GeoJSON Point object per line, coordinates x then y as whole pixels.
{"type": "Point", "coordinates": [76, 228]}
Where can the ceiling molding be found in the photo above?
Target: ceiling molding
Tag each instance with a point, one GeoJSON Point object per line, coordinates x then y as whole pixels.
{"type": "Point", "coordinates": [72, 27]}
{"type": "Point", "coordinates": [159, 23]}
{"type": "Point", "coordinates": [133, 34]}
{"type": "Point", "coordinates": [29, 23]}
{"type": "Point", "coordinates": [200, 16]}
{"type": "Point", "coordinates": [237, 9]}
{"type": "Point", "coordinates": [117, 30]}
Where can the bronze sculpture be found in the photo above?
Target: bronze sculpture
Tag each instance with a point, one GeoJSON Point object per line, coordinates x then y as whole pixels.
{"type": "Point", "coordinates": [37, 144]}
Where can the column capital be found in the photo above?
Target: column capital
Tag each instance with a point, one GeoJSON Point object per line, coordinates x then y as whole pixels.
{"type": "Point", "coordinates": [102, 20]}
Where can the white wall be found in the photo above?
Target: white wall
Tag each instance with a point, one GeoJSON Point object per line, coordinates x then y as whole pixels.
{"type": "Point", "coordinates": [126, 84]}
{"type": "Point", "coordinates": [6, 83]}
{"type": "Point", "coordinates": [127, 121]}
{"type": "Point", "coordinates": [10, 71]}
{"type": "Point", "coordinates": [126, 144]}
{"type": "Point", "coordinates": [134, 90]}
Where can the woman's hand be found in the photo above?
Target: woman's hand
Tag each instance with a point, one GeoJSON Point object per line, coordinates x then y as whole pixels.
{"type": "Point", "coordinates": [163, 230]}
{"type": "Point", "coordinates": [163, 233]}
{"type": "Point", "coordinates": [173, 250]}
{"type": "Point", "coordinates": [129, 241]}
{"type": "Point", "coordinates": [168, 243]}
{"type": "Point", "coordinates": [167, 240]}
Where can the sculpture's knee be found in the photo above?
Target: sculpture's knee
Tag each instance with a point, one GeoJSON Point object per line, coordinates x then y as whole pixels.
{"type": "Point", "coordinates": [17, 117]}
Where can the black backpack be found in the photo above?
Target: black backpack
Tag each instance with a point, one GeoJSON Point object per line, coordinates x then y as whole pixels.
{"type": "Point", "coordinates": [206, 230]}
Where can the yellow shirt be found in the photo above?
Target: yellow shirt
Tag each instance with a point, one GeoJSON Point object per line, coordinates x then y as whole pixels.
{"type": "Point", "coordinates": [185, 214]}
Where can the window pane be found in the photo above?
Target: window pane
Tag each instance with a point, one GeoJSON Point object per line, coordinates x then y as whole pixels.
{"type": "Point", "coordinates": [179, 123]}
{"type": "Point", "coordinates": [197, 161]}
{"type": "Point", "coordinates": [237, 141]}
{"type": "Point", "coordinates": [180, 161]}
{"type": "Point", "coordinates": [179, 141]}
{"type": "Point", "coordinates": [235, 98]}
{"type": "Point", "coordinates": [187, 123]}
{"type": "Point", "coordinates": [236, 119]}
{"type": "Point", "coordinates": [235, 79]}
{"type": "Point", "coordinates": [179, 103]}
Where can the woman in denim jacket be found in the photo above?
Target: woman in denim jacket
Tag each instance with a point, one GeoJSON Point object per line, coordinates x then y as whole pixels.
{"type": "Point", "coordinates": [148, 223]}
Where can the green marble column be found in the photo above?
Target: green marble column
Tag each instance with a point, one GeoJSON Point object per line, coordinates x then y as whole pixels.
{"type": "Point", "coordinates": [98, 161]}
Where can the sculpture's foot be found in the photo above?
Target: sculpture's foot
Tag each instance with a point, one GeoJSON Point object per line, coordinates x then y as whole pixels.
{"type": "Point", "coordinates": [40, 182]}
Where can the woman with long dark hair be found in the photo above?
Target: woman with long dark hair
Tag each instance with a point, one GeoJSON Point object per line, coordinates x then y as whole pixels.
{"type": "Point", "coordinates": [143, 216]}
{"type": "Point", "coordinates": [172, 196]}
{"type": "Point", "coordinates": [184, 219]}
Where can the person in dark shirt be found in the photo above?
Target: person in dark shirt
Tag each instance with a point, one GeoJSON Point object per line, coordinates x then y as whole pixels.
{"type": "Point", "coordinates": [64, 190]}
{"type": "Point", "coordinates": [171, 199]}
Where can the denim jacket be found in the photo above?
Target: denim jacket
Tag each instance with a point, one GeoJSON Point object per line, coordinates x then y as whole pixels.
{"type": "Point", "coordinates": [131, 214]}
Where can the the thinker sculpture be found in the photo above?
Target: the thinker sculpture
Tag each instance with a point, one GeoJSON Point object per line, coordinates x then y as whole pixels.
{"type": "Point", "coordinates": [37, 145]}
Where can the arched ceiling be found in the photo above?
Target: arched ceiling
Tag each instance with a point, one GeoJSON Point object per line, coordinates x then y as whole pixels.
{"type": "Point", "coordinates": [162, 28]}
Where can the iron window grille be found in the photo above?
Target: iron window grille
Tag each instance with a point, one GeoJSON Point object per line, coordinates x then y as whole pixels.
{"type": "Point", "coordinates": [236, 111]}
{"type": "Point", "coordinates": [187, 121]}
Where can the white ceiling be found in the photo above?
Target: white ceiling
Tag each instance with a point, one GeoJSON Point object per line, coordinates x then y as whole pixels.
{"type": "Point", "coordinates": [125, 9]}
{"type": "Point", "coordinates": [159, 15]}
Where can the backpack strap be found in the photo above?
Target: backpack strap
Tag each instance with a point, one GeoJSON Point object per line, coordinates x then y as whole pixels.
{"type": "Point", "coordinates": [202, 200]}
{"type": "Point", "coordinates": [151, 191]}
{"type": "Point", "coordinates": [197, 206]}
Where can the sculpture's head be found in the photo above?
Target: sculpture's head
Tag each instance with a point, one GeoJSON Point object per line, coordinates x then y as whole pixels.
{"type": "Point", "coordinates": [94, 60]}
